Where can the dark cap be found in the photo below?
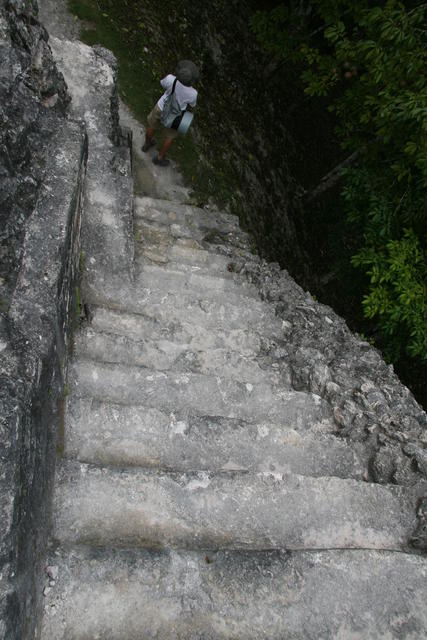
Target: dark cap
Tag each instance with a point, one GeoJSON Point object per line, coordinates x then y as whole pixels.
{"type": "Point", "coordinates": [187, 72]}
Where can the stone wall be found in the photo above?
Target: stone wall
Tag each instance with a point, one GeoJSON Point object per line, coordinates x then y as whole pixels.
{"type": "Point", "coordinates": [33, 101]}
{"type": "Point", "coordinates": [42, 167]}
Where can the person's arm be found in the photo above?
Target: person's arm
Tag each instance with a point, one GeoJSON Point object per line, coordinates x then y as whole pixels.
{"type": "Point", "coordinates": [167, 81]}
{"type": "Point", "coordinates": [192, 105]}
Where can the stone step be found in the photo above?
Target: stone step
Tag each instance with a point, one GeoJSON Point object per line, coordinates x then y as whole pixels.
{"type": "Point", "coordinates": [212, 270]}
{"type": "Point", "coordinates": [111, 434]}
{"type": "Point", "coordinates": [181, 334]}
{"type": "Point", "coordinates": [138, 316]}
{"type": "Point", "coordinates": [195, 393]}
{"type": "Point", "coordinates": [181, 306]}
{"type": "Point", "coordinates": [103, 506]}
{"type": "Point", "coordinates": [185, 330]}
{"type": "Point", "coordinates": [168, 212]}
{"type": "Point", "coordinates": [170, 355]}
{"type": "Point", "coordinates": [207, 232]}
{"type": "Point", "coordinates": [309, 595]}
{"type": "Point", "coordinates": [235, 289]}
{"type": "Point", "coordinates": [158, 245]}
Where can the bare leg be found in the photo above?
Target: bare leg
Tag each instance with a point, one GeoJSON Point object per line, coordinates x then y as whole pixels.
{"type": "Point", "coordinates": [165, 147]}
{"type": "Point", "coordinates": [149, 140]}
{"type": "Point", "coordinates": [149, 134]}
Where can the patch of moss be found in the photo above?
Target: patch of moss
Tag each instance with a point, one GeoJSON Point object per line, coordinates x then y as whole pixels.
{"type": "Point", "coordinates": [4, 305]}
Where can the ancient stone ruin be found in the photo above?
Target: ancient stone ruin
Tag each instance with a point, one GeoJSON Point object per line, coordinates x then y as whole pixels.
{"type": "Point", "coordinates": [191, 446]}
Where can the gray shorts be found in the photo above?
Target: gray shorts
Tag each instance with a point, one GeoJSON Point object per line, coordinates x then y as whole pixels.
{"type": "Point", "coordinates": [153, 121]}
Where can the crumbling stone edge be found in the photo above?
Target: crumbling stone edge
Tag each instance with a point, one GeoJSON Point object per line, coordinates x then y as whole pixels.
{"type": "Point", "coordinates": [35, 338]}
{"type": "Point", "coordinates": [366, 399]}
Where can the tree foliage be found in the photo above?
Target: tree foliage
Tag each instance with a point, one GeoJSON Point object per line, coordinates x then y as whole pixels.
{"type": "Point", "coordinates": [370, 59]}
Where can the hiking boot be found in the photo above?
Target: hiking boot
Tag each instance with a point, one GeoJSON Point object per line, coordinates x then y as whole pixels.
{"type": "Point", "coordinates": [162, 162]}
{"type": "Point", "coordinates": [145, 147]}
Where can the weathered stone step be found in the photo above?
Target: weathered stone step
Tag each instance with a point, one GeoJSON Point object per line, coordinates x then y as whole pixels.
{"type": "Point", "coordinates": [216, 286]}
{"type": "Point", "coordinates": [168, 212]}
{"type": "Point", "coordinates": [141, 595]}
{"type": "Point", "coordinates": [177, 355]}
{"type": "Point", "coordinates": [210, 271]}
{"type": "Point", "coordinates": [195, 393]}
{"type": "Point", "coordinates": [111, 434]}
{"type": "Point", "coordinates": [157, 244]}
{"type": "Point", "coordinates": [186, 255]}
{"type": "Point", "coordinates": [195, 306]}
{"type": "Point", "coordinates": [171, 315]}
{"type": "Point", "coordinates": [206, 232]}
{"type": "Point", "coordinates": [184, 329]}
{"type": "Point", "coordinates": [103, 506]}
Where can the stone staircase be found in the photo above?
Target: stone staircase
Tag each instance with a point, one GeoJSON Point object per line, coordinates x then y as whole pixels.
{"type": "Point", "coordinates": [199, 495]}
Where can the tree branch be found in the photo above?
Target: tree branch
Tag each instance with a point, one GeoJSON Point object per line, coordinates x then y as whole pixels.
{"type": "Point", "coordinates": [331, 179]}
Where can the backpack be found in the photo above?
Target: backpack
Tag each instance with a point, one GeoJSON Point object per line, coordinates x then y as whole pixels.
{"type": "Point", "coordinates": [171, 115]}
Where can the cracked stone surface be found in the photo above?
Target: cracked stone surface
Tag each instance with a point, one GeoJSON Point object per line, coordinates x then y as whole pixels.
{"type": "Point", "coordinates": [42, 164]}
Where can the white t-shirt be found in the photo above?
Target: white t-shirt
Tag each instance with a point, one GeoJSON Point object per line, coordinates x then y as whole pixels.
{"type": "Point", "coordinates": [184, 95]}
